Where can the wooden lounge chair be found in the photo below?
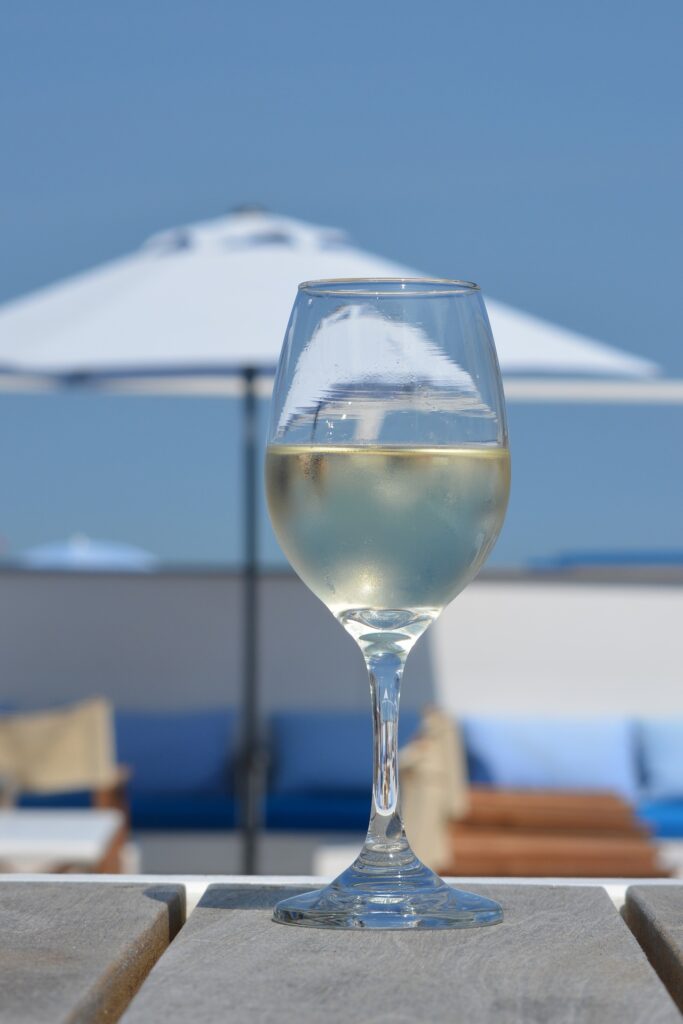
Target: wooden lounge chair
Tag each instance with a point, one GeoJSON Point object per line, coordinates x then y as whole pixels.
{"type": "Point", "coordinates": [552, 834]}
{"type": "Point", "coordinates": [480, 830]}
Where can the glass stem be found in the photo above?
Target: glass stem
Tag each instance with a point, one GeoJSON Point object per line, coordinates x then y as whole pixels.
{"type": "Point", "coordinates": [385, 832]}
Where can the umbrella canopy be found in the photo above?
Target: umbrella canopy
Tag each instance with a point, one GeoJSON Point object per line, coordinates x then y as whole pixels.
{"type": "Point", "coordinates": [215, 297]}
{"type": "Point", "coordinates": [83, 554]}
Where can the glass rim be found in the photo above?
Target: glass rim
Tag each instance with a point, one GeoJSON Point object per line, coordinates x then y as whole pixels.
{"type": "Point", "coordinates": [395, 287]}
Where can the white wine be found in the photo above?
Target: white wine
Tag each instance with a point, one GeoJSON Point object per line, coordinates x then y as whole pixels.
{"type": "Point", "coordinates": [376, 529]}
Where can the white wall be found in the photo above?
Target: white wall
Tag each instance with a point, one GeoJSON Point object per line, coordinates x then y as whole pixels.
{"type": "Point", "coordinates": [549, 647]}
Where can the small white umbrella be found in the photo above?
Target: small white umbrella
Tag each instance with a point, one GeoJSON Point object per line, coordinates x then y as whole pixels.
{"type": "Point", "coordinates": [84, 554]}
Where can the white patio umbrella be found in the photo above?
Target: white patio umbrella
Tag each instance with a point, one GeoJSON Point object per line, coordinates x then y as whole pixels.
{"type": "Point", "coordinates": [211, 300]}
{"type": "Point", "coordinates": [216, 296]}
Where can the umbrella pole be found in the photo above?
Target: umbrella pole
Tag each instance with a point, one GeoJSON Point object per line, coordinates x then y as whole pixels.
{"type": "Point", "coordinates": [252, 761]}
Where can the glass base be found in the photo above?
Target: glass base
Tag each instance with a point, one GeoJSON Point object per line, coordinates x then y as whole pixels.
{"type": "Point", "coordinates": [389, 896]}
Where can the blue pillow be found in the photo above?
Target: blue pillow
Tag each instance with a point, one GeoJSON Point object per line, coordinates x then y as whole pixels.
{"type": "Point", "coordinates": [664, 817]}
{"type": "Point", "coordinates": [177, 752]}
{"type": "Point", "coordinates": [327, 751]}
{"type": "Point", "coordinates": [661, 750]}
{"type": "Point", "coordinates": [554, 753]}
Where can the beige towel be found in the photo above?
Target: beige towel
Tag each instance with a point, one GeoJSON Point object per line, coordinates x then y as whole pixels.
{"type": "Point", "coordinates": [59, 751]}
{"type": "Point", "coordinates": [434, 787]}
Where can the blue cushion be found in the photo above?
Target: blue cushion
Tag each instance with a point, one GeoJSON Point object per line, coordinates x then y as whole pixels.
{"type": "Point", "coordinates": [177, 752]}
{"type": "Point", "coordinates": [203, 811]}
{"type": "Point", "coordinates": [661, 751]}
{"type": "Point", "coordinates": [665, 817]}
{"type": "Point", "coordinates": [478, 771]}
{"type": "Point", "coordinates": [336, 812]}
{"type": "Point", "coordinates": [80, 798]}
{"type": "Point", "coordinates": [549, 753]}
{"type": "Point", "coordinates": [327, 751]}
{"type": "Point", "coordinates": [200, 811]}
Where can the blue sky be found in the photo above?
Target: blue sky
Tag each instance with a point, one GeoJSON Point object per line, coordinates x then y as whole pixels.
{"type": "Point", "coordinates": [533, 147]}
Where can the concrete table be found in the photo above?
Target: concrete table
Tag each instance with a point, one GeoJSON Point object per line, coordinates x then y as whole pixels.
{"type": "Point", "coordinates": [655, 916]}
{"type": "Point", "coordinates": [49, 840]}
{"type": "Point", "coordinates": [77, 951]}
{"type": "Point", "coordinates": [562, 954]}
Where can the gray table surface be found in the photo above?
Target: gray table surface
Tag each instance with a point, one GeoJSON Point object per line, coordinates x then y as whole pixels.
{"type": "Point", "coordinates": [79, 952]}
{"type": "Point", "coordinates": [88, 952]}
{"type": "Point", "coordinates": [655, 916]}
{"type": "Point", "coordinates": [563, 954]}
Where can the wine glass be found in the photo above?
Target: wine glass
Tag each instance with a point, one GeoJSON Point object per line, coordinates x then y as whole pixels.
{"type": "Point", "coordinates": [387, 477]}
